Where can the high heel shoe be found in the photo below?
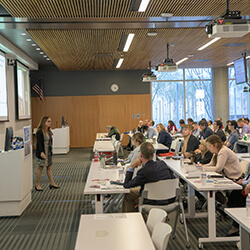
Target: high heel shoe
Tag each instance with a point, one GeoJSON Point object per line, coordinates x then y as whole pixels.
{"type": "Point", "coordinates": [51, 187]}
{"type": "Point", "coordinates": [40, 190]}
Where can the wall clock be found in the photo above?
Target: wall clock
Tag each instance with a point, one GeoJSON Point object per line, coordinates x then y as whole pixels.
{"type": "Point", "coordinates": [114, 87]}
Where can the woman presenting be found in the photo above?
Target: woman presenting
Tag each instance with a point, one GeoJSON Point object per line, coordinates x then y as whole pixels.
{"type": "Point", "coordinates": [44, 152]}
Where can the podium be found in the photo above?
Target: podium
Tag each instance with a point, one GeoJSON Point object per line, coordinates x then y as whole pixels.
{"type": "Point", "coordinates": [61, 140]}
{"type": "Point", "coordinates": [15, 182]}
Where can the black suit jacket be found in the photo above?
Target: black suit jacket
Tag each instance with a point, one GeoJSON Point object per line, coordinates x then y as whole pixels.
{"type": "Point", "coordinates": [40, 144]}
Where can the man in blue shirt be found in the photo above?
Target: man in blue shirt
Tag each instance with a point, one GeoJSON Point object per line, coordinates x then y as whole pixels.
{"type": "Point", "coordinates": [233, 137]}
{"type": "Point", "coordinates": [205, 131]}
{"type": "Point", "coordinates": [152, 171]}
{"type": "Point", "coordinates": [244, 126]}
{"type": "Point", "coordinates": [151, 131]}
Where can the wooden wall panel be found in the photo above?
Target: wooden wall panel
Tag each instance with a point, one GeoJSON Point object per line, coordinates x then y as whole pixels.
{"type": "Point", "coordinates": [88, 115]}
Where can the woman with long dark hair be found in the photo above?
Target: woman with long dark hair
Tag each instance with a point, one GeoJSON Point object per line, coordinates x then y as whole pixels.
{"type": "Point", "coordinates": [44, 152]}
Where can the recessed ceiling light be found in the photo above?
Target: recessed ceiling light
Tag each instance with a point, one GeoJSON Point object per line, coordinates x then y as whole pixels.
{"type": "Point", "coordinates": [28, 40]}
{"type": "Point", "coordinates": [41, 52]}
{"type": "Point", "coordinates": [119, 63]}
{"type": "Point", "coordinates": [190, 55]}
{"type": "Point", "coordinates": [172, 44]}
{"type": "Point", "coordinates": [128, 42]}
{"type": "Point", "coordinates": [23, 34]}
{"type": "Point", "coordinates": [230, 63]}
{"type": "Point", "coordinates": [33, 44]}
{"type": "Point", "coordinates": [44, 56]}
{"type": "Point", "coordinates": [182, 60]}
{"type": "Point", "coordinates": [38, 49]}
{"type": "Point", "coordinates": [152, 34]}
{"type": "Point", "coordinates": [166, 14]}
{"type": "Point", "coordinates": [209, 43]}
{"type": "Point", "coordinates": [247, 57]}
{"type": "Point", "coordinates": [143, 5]}
{"type": "Point", "coordinates": [47, 59]}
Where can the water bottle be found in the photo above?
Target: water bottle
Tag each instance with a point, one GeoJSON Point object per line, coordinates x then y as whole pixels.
{"type": "Point", "coordinates": [115, 158]}
{"type": "Point", "coordinates": [248, 205]}
{"type": "Point", "coordinates": [182, 162]}
{"type": "Point", "coordinates": [121, 174]}
{"type": "Point", "coordinates": [96, 157]}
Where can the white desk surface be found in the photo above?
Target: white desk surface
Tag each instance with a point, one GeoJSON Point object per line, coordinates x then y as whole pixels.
{"type": "Point", "coordinates": [240, 216]}
{"type": "Point", "coordinates": [174, 165]}
{"type": "Point", "coordinates": [157, 146]}
{"type": "Point", "coordinates": [209, 189]}
{"type": "Point", "coordinates": [243, 156]}
{"type": "Point", "coordinates": [102, 177]}
{"type": "Point", "coordinates": [242, 141]}
{"type": "Point", "coordinates": [103, 146]}
{"type": "Point", "coordinates": [102, 136]}
{"type": "Point", "coordinates": [121, 231]}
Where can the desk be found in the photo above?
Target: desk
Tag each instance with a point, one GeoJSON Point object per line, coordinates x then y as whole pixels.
{"type": "Point", "coordinates": [102, 137]}
{"type": "Point", "coordinates": [243, 156]}
{"type": "Point", "coordinates": [103, 146]}
{"type": "Point", "coordinates": [105, 176]}
{"type": "Point", "coordinates": [121, 231]}
{"type": "Point", "coordinates": [239, 215]}
{"type": "Point", "coordinates": [209, 189]}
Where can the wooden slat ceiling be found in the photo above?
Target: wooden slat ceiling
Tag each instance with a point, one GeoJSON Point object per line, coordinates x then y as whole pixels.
{"type": "Point", "coordinates": [119, 8]}
{"type": "Point", "coordinates": [96, 49]}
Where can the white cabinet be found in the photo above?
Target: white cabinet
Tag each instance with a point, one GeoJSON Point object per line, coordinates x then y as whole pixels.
{"type": "Point", "coordinates": [15, 182]}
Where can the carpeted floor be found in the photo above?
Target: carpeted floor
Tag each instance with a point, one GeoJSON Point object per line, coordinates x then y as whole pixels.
{"type": "Point", "coordinates": [51, 220]}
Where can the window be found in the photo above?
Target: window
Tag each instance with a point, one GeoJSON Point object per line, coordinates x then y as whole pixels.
{"type": "Point", "coordinates": [192, 87]}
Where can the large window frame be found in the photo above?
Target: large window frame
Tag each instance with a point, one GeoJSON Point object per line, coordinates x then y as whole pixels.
{"type": "Point", "coordinates": [184, 77]}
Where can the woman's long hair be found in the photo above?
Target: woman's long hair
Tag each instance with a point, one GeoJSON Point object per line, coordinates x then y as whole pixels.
{"type": "Point", "coordinates": [161, 126]}
{"type": "Point", "coordinates": [41, 125]}
{"type": "Point", "coordinates": [204, 144]}
{"type": "Point", "coordinates": [213, 139]}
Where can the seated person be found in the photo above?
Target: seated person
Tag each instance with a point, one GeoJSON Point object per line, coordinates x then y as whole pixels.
{"type": "Point", "coordinates": [181, 123]}
{"type": "Point", "coordinates": [245, 129]}
{"type": "Point", "coordinates": [151, 131]}
{"type": "Point", "coordinates": [233, 137]}
{"type": "Point", "coordinates": [171, 127]}
{"type": "Point", "coordinates": [163, 137]}
{"type": "Point", "coordinates": [152, 171]}
{"type": "Point", "coordinates": [140, 127]}
{"type": "Point", "coordinates": [205, 131]}
{"type": "Point", "coordinates": [210, 124]}
{"type": "Point", "coordinates": [218, 130]}
{"type": "Point", "coordinates": [191, 143]}
{"type": "Point", "coordinates": [224, 159]}
{"type": "Point", "coordinates": [238, 199]}
{"type": "Point", "coordinates": [190, 121]}
{"type": "Point", "coordinates": [202, 154]}
{"type": "Point", "coordinates": [196, 129]}
{"type": "Point", "coordinates": [113, 131]}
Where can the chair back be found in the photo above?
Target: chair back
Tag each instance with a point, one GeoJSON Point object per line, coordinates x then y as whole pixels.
{"type": "Point", "coordinates": [160, 235]}
{"type": "Point", "coordinates": [155, 215]}
{"type": "Point", "coordinates": [121, 137]}
{"type": "Point", "coordinates": [243, 166]}
{"type": "Point", "coordinates": [162, 190]}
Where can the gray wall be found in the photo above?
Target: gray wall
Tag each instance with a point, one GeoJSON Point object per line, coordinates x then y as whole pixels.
{"type": "Point", "coordinates": [220, 93]}
{"type": "Point", "coordinates": [77, 83]}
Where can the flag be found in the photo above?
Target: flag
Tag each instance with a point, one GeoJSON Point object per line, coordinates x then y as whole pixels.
{"type": "Point", "coordinates": [38, 89]}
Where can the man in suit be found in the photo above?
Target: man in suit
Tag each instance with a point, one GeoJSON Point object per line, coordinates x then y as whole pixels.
{"type": "Point", "coordinates": [152, 171]}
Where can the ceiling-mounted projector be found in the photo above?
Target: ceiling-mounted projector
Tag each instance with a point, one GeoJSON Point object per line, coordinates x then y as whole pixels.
{"type": "Point", "coordinates": [167, 65]}
{"type": "Point", "coordinates": [229, 24]}
{"type": "Point", "coordinates": [149, 76]}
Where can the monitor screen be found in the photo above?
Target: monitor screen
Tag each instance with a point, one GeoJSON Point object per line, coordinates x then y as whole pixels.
{"type": "Point", "coordinates": [3, 89]}
{"type": "Point", "coordinates": [240, 70]}
{"type": "Point", "coordinates": [22, 81]}
{"type": "Point", "coordinates": [8, 139]}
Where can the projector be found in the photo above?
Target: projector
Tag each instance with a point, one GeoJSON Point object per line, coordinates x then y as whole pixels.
{"type": "Point", "coordinates": [230, 25]}
{"type": "Point", "coordinates": [167, 66]}
{"type": "Point", "coordinates": [148, 77]}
